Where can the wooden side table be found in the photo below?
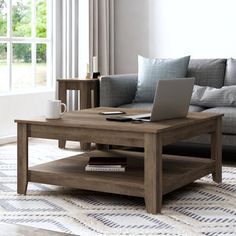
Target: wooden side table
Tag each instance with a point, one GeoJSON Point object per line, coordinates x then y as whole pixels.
{"type": "Point", "coordinates": [85, 86]}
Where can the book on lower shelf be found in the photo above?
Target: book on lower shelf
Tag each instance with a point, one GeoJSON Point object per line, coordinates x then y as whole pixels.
{"type": "Point", "coordinates": [116, 164]}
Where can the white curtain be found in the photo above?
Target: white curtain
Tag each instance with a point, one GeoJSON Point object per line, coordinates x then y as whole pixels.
{"type": "Point", "coordinates": [67, 38]}
{"type": "Point", "coordinates": [101, 34]}
{"type": "Point", "coordinates": [66, 41]}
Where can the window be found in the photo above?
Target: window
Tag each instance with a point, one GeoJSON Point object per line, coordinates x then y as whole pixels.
{"type": "Point", "coordinates": [25, 45]}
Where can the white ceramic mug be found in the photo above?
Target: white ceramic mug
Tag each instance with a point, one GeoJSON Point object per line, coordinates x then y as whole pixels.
{"type": "Point", "coordinates": [54, 109]}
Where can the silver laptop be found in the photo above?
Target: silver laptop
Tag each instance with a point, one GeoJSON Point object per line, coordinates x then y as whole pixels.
{"type": "Point", "coordinates": [171, 100]}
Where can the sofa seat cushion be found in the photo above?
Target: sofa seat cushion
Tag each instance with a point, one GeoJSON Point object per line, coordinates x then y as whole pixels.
{"type": "Point", "coordinates": [229, 118]}
{"type": "Point", "coordinates": [194, 108]}
{"type": "Point", "coordinates": [207, 72]}
{"type": "Point", "coordinates": [144, 106]}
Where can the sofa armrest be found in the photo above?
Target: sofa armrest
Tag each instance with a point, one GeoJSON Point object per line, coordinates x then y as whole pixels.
{"type": "Point", "coordinates": [116, 90]}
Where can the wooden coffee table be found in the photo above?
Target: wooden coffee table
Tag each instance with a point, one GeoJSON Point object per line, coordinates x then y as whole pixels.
{"type": "Point", "coordinates": [149, 174]}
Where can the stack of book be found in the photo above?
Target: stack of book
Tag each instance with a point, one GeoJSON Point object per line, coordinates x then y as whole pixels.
{"type": "Point", "coordinates": [106, 164]}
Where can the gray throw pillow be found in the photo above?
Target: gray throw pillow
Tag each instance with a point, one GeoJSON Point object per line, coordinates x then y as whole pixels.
{"type": "Point", "coordinates": [152, 70]}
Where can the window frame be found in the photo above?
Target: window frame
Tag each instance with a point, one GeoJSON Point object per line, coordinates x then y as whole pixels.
{"type": "Point", "coordinates": [9, 39]}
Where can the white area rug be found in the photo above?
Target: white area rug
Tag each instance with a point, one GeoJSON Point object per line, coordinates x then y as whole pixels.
{"type": "Point", "coordinates": [202, 208]}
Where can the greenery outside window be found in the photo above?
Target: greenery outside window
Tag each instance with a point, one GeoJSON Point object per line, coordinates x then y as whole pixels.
{"type": "Point", "coordinates": [25, 45]}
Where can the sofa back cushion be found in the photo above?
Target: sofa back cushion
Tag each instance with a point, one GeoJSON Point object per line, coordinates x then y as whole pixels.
{"type": "Point", "coordinates": [207, 72]}
{"type": "Point", "coordinates": [230, 73]}
{"type": "Point", "coordinates": [152, 70]}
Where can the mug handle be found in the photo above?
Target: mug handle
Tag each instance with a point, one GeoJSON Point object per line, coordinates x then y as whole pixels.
{"type": "Point", "coordinates": [64, 105]}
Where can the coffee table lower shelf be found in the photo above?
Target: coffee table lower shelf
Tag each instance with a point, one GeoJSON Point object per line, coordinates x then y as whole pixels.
{"type": "Point", "coordinates": [70, 172]}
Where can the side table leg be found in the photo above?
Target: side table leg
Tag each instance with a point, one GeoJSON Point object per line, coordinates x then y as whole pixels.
{"type": "Point", "coordinates": [62, 143]}
{"type": "Point", "coordinates": [102, 146]}
{"type": "Point", "coordinates": [85, 146]}
{"type": "Point", "coordinates": [96, 97]}
{"type": "Point", "coordinates": [62, 88]}
{"type": "Point", "coordinates": [85, 102]}
{"type": "Point", "coordinates": [22, 158]}
{"type": "Point", "coordinates": [153, 173]}
{"type": "Point", "coordinates": [216, 151]}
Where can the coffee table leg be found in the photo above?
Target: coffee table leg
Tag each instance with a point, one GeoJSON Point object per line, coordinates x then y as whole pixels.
{"type": "Point", "coordinates": [153, 173]}
{"type": "Point", "coordinates": [22, 158]}
{"type": "Point", "coordinates": [216, 151]}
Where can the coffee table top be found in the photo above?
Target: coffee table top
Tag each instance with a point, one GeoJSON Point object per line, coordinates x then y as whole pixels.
{"type": "Point", "coordinates": [90, 118]}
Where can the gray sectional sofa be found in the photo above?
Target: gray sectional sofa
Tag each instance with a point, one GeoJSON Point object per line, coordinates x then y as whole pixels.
{"type": "Point", "coordinates": [119, 91]}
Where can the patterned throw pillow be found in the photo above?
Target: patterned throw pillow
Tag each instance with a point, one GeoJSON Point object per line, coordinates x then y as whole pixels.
{"type": "Point", "coordinates": [152, 70]}
{"type": "Point", "coordinates": [214, 97]}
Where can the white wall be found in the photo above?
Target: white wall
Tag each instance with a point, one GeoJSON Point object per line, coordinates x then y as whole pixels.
{"type": "Point", "coordinates": [131, 34]}
{"type": "Point", "coordinates": [200, 28]}
{"type": "Point", "coordinates": [173, 28]}
{"type": "Point", "coordinates": [20, 106]}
